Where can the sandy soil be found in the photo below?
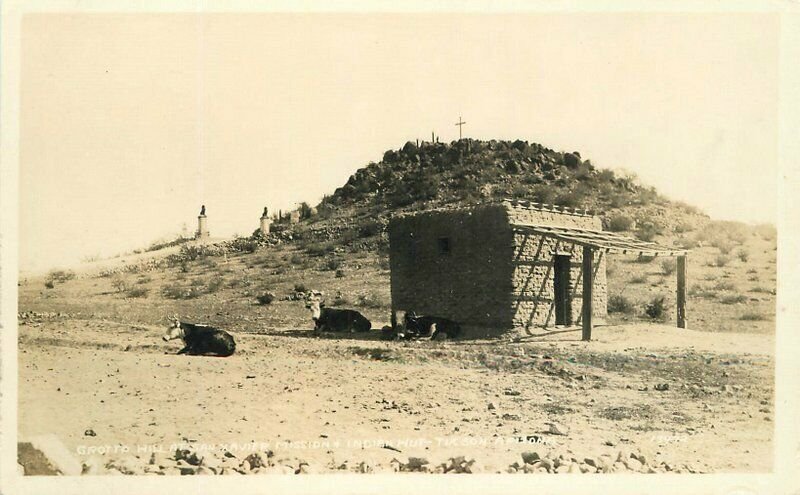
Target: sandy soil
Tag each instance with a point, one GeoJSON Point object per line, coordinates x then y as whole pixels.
{"type": "Point", "coordinates": [356, 403]}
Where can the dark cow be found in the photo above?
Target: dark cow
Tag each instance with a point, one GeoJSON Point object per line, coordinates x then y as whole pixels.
{"type": "Point", "coordinates": [201, 339]}
{"type": "Point", "coordinates": [430, 326]}
{"type": "Point", "coordinates": [336, 320]}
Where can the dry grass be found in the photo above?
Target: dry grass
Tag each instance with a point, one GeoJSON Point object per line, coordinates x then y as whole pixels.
{"type": "Point", "coordinates": [716, 282]}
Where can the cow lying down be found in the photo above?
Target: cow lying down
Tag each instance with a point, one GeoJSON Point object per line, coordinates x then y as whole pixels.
{"type": "Point", "coordinates": [336, 320]}
{"type": "Point", "coordinates": [201, 339]}
{"type": "Point", "coordinates": [430, 327]}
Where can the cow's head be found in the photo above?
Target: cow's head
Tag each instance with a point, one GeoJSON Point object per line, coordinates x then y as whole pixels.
{"type": "Point", "coordinates": [410, 319]}
{"type": "Point", "coordinates": [315, 303]}
{"type": "Point", "coordinates": [174, 331]}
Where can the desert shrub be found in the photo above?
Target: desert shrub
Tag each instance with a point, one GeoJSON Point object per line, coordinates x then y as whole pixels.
{"type": "Point", "coordinates": [687, 243]}
{"type": "Point", "coordinates": [305, 210]}
{"type": "Point", "coordinates": [682, 227]}
{"type": "Point", "coordinates": [753, 316]}
{"type": "Point", "coordinates": [215, 284]}
{"type": "Point", "coordinates": [724, 285]}
{"type": "Point", "coordinates": [701, 291]}
{"type": "Point", "coordinates": [724, 235]}
{"type": "Point", "coordinates": [643, 258]}
{"type": "Point", "coordinates": [656, 309]}
{"type": "Point", "coordinates": [584, 171]}
{"type": "Point", "coordinates": [605, 175]}
{"type": "Point", "coordinates": [736, 232]}
{"type": "Point", "coordinates": [184, 267]}
{"type": "Point", "coordinates": [58, 276]}
{"type": "Point", "coordinates": [543, 193]}
{"type": "Point", "coordinates": [692, 210]}
{"type": "Point", "coordinates": [383, 263]}
{"type": "Point", "coordinates": [299, 288]}
{"type": "Point", "coordinates": [49, 284]}
{"type": "Point", "coordinates": [296, 259]}
{"type": "Point", "coordinates": [668, 266]}
{"type": "Point", "coordinates": [178, 291]}
{"type": "Point", "coordinates": [647, 195]}
{"type": "Point", "coordinates": [370, 228]}
{"type": "Point", "coordinates": [639, 279]}
{"type": "Point", "coordinates": [265, 298]}
{"type": "Point", "coordinates": [373, 299]}
{"type": "Point", "coordinates": [341, 300]}
{"type": "Point", "coordinates": [570, 199]}
{"type": "Point", "coordinates": [620, 223]}
{"type": "Point", "coordinates": [743, 255]}
{"type": "Point", "coordinates": [763, 290]}
{"type": "Point", "coordinates": [333, 264]}
{"type": "Point", "coordinates": [519, 191]}
{"type": "Point", "coordinates": [208, 263]}
{"type": "Point", "coordinates": [161, 245]}
{"type": "Point", "coordinates": [617, 199]}
{"type": "Point", "coordinates": [721, 260]}
{"type": "Point", "coordinates": [725, 247]}
{"type": "Point", "coordinates": [348, 236]}
{"type": "Point", "coordinates": [137, 292]}
{"type": "Point", "coordinates": [190, 253]}
{"type": "Point", "coordinates": [648, 231]}
{"type": "Point", "coordinates": [144, 279]}
{"type": "Point", "coordinates": [320, 248]}
{"type": "Point", "coordinates": [733, 299]}
{"type": "Point", "coordinates": [119, 284]}
{"type": "Point", "coordinates": [618, 303]}
{"type": "Point", "coordinates": [244, 245]}
{"type": "Point", "coordinates": [339, 273]}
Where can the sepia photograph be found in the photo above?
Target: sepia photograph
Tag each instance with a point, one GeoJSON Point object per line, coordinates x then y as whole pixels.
{"type": "Point", "coordinates": [367, 246]}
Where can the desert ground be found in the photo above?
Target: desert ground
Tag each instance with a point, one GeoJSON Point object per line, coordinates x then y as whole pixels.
{"type": "Point", "coordinates": [642, 396]}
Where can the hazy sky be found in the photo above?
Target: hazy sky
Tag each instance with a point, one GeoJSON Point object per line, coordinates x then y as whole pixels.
{"type": "Point", "coordinates": [129, 122]}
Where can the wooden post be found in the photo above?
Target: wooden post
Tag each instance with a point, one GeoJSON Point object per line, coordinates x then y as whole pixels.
{"type": "Point", "coordinates": [586, 315]}
{"type": "Point", "coordinates": [681, 299]}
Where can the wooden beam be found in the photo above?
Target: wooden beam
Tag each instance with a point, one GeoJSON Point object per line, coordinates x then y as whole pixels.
{"type": "Point", "coordinates": [681, 299]}
{"type": "Point", "coordinates": [588, 276]}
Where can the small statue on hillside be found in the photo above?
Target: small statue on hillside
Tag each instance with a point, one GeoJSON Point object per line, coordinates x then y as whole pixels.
{"type": "Point", "coordinates": [203, 210]}
{"type": "Point", "coordinates": [265, 212]}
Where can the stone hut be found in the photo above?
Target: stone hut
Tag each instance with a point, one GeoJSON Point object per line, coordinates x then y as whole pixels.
{"type": "Point", "coordinates": [506, 265]}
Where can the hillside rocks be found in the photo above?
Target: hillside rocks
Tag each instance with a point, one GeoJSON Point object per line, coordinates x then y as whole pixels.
{"type": "Point", "coordinates": [25, 317]}
{"type": "Point", "coordinates": [624, 461]}
{"type": "Point", "coordinates": [187, 461]}
{"type": "Point", "coordinates": [141, 266]}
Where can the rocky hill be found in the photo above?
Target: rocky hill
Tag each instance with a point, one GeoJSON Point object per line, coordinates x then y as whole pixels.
{"type": "Point", "coordinates": [426, 175]}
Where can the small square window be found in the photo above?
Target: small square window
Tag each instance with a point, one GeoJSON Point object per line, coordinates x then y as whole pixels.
{"type": "Point", "coordinates": [444, 245]}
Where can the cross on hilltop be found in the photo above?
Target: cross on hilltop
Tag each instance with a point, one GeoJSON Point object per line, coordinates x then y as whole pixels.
{"type": "Point", "coordinates": [459, 124]}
